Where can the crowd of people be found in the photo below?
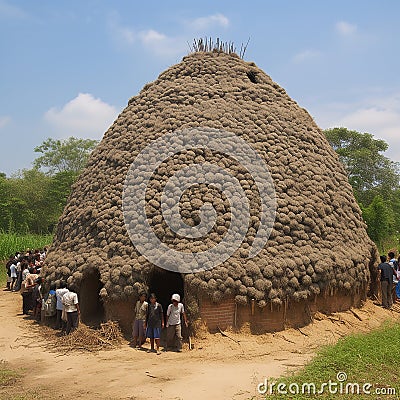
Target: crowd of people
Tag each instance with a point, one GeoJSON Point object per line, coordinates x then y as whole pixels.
{"type": "Point", "coordinates": [23, 275]}
{"type": "Point", "coordinates": [149, 321]}
{"type": "Point", "coordinates": [60, 304]}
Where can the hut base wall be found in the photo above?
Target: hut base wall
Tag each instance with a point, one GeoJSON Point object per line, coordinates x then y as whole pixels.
{"type": "Point", "coordinates": [271, 319]}
{"type": "Point", "coordinates": [227, 315]}
{"type": "Point", "coordinates": [122, 312]}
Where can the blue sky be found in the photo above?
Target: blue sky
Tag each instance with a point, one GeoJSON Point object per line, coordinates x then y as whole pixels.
{"type": "Point", "coordinates": [69, 67]}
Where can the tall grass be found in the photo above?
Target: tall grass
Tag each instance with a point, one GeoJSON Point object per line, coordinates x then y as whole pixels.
{"type": "Point", "coordinates": [12, 242]}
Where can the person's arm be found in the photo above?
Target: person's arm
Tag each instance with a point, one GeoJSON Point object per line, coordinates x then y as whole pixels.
{"type": "Point", "coordinates": [184, 317]}
{"type": "Point", "coordinates": [78, 308]}
{"type": "Point", "coordinates": [162, 317]}
{"type": "Point", "coordinates": [147, 317]}
{"type": "Point", "coordinates": [29, 283]}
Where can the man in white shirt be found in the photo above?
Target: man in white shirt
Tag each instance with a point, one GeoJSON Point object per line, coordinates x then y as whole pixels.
{"type": "Point", "coordinates": [174, 328]}
{"type": "Point", "coordinates": [60, 324]}
{"type": "Point", "coordinates": [13, 274]}
{"type": "Point", "coordinates": [70, 302]}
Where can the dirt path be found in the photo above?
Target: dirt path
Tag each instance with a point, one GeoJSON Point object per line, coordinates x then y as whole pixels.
{"type": "Point", "coordinates": [218, 367]}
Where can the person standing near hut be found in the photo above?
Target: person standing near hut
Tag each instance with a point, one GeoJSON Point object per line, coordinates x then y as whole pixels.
{"type": "Point", "coordinates": [13, 274]}
{"type": "Point", "coordinates": [140, 320]}
{"type": "Point", "coordinates": [386, 277]}
{"type": "Point", "coordinates": [154, 322]}
{"type": "Point", "coordinates": [174, 326]}
{"type": "Point", "coordinates": [71, 304]}
{"type": "Point", "coordinates": [60, 324]}
{"type": "Point", "coordinates": [27, 291]}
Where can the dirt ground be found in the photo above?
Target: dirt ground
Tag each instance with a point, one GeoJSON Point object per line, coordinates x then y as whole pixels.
{"type": "Point", "coordinates": [219, 367]}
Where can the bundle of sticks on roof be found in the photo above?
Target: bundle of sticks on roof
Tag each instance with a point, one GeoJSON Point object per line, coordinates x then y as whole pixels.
{"type": "Point", "coordinates": [208, 44]}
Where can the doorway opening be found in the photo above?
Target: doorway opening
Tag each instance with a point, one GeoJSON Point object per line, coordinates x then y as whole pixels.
{"type": "Point", "coordinates": [91, 304]}
{"type": "Point", "coordinates": [164, 284]}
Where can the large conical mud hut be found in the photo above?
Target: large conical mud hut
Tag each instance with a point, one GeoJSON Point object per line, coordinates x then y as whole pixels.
{"type": "Point", "coordinates": [318, 256]}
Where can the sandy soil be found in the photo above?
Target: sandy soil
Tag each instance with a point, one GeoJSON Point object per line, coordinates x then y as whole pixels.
{"type": "Point", "coordinates": [219, 367]}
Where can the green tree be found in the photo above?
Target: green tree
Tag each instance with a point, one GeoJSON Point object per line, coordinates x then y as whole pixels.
{"type": "Point", "coordinates": [375, 181]}
{"type": "Point", "coordinates": [69, 155]}
{"type": "Point", "coordinates": [370, 172]}
{"type": "Point", "coordinates": [379, 219]}
{"type": "Point", "coordinates": [32, 200]}
{"type": "Point", "coordinates": [31, 187]}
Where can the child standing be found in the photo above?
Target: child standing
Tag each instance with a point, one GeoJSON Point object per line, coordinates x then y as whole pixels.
{"type": "Point", "coordinates": [140, 320]}
{"type": "Point", "coordinates": [154, 322]}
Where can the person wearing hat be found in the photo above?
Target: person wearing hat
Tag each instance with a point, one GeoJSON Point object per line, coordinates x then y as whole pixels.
{"type": "Point", "coordinates": [174, 329]}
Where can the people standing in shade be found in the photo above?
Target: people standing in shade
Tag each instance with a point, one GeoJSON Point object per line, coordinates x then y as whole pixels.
{"type": "Point", "coordinates": [60, 324]}
{"type": "Point", "coordinates": [141, 306]}
{"type": "Point", "coordinates": [174, 326]}
{"type": "Point", "coordinates": [154, 322]}
{"type": "Point", "coordinates": [71, 304]}
{"type": "Point", "coordinates": [386, 273]}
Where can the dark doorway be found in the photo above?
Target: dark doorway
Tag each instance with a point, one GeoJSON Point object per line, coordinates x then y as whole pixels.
{"type": "Point", "coordinates": [92, 310]}
{"type": "Point", "coordinates": [164, 284]}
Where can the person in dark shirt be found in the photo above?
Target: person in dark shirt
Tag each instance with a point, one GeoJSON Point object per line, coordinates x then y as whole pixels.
{"type": "Point", "coordinates": [154, 322]}
{"type": "Point", "coordinates": [386, 277]}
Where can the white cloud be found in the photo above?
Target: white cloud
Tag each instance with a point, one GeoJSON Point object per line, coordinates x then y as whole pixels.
{"type": "Point", "coordinates": [151, 36]}
{"type": "Point", "coordinates": [378, 115]}
{"type": "Point", "coordinates": [344, 28]}
{"type": "Point", "coordinates": [10, 11]}
{"type": "Point", "coordinates": [4, 120]}
{"type": "Point", "coordinates": [151, 40]}
{"type": "Point", "coordinates": [210, 21]}
{"type": "Point", "coordinates": [84, 116]}
{"type": "Point", "coordinates": [161, 45]}
{"type": "Point", "coordinates": [381, 119]}
{"type": "Point", "coordinates": [306, 55]}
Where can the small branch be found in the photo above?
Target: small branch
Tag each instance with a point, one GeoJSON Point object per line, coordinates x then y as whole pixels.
{"type": "Point", "coordinates": [225, 335]}
{"type": "Point", "coordinates": [355, 314]}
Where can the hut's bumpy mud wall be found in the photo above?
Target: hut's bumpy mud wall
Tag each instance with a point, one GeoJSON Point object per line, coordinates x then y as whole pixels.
{"type": "Point", "coordinates": [318, 245]}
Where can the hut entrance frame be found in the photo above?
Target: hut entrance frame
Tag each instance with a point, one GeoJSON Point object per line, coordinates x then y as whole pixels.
{"type": "Point", "coordinates": [164, 284]}
{"type": "Point", "coordinates": [92, 308]}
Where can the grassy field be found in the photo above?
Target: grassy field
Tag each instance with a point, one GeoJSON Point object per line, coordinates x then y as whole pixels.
{"type": "Point", "coordinates": [11, 243]}
{"type": "Point", "coordinates": [365, 359]}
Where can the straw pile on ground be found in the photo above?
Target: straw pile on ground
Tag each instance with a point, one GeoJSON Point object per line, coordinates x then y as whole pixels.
{"type": "Point", "coordinates": [319, 242]}
{"type": "Point", "coordinates": [85, 339]}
